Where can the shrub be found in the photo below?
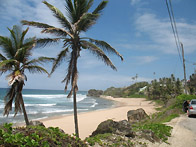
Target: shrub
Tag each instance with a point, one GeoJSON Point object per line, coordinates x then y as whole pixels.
{"type": "Point", "coordinates": [37, 136]}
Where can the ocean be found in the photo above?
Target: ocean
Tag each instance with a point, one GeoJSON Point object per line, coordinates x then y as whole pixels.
{"type": "Point", "coordinates": [41, 104]}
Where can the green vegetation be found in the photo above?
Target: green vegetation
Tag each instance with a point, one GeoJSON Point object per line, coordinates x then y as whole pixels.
{"type": "Point", "coordinates": [164, 89]}
{"type": "Point", "coordinates": [130, 91]}
{"type": "Point", "coordinates": [15, 59]}
{"type": "Point", "coordinates": [77, 20]}
{"type": "Point", "coordinates": [160, 130]}
{"type": "Point", "coordinates": [109, 140]}
{"type": "Point", "coordinates": [37, 136]}
{"type": "Point", "coordinates": [192, 84]}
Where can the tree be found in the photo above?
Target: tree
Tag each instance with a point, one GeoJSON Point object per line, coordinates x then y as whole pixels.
{"type": "Point", "coordinates": [78, 19]}
{"type": "Point", "coordinates": [15, 59]}
{"type": "Point", "coordinates": [192, 84]}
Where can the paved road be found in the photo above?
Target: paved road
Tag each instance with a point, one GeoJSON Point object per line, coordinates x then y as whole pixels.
{"type": "Point", "coordinates": [189, 123]}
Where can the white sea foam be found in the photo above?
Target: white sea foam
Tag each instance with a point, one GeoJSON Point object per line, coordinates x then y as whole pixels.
{"type": "Point", "coordinates": [80, 97]}
{"type": "Point", "coordinates": [44, 105]}
{"type": "Point", "coordinates": [44, 96]}
{"type": "Point", "coordinates": [57, 111]}
{"type": "Point", "coordinates": [92, 106]}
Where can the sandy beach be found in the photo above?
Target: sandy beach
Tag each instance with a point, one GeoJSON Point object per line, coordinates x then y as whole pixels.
{"type": "Point", "coordinates": [89, 121]}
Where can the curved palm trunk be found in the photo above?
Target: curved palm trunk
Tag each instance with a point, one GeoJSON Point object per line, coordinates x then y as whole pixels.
{"type": "Point", "coordinates": [75, 113]}
{"type": "Point", "coordinates": [22, 104]}
{"type": "Point", "coordinates": [24, 111]}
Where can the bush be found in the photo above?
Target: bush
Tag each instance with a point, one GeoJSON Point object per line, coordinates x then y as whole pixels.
{"type": "Point", "coordinates": [37, 136]}
{"type": "Point", "coordinates": [161, 130]}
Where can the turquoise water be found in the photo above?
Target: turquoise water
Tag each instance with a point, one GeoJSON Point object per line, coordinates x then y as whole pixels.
{"type": "Point", "coordinates": [46, 103]}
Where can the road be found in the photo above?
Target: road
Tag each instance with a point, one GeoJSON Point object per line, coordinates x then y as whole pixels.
{"type": "Point", "coordinates": [183, 133]}
{"type": "Point", "coordinates": [189, 123]}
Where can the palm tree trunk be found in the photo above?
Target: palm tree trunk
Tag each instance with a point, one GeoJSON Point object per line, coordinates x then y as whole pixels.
{"type": "Point", "coordinates": [22, 103]}
{"type": "Point", "coordinates": [24, 111]}
{"type": "Point", "coordinates": [75, 113]}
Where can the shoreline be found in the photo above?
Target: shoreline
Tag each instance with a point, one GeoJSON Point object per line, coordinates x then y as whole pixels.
{"type": "Point", "coordinates": [88, 121]}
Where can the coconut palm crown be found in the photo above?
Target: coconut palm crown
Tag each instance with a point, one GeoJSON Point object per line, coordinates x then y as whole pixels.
{"type": "Point", "coordinates": [15, 54]}
{"type": "Point", "coordinates": [77, 19]}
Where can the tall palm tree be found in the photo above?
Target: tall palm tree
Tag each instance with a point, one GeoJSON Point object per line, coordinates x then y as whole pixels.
{"type": "Point", "coordinates": [76, 20]}
{"type": "Point", "coordinates": [15, 58]}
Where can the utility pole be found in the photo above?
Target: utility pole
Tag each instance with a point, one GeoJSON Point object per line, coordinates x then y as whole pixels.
{"type": "Point", "coordinates": [185, 82]}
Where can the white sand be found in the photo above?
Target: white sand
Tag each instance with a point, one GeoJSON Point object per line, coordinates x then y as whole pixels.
{"type": "Point", "coordinates": [89, 121]}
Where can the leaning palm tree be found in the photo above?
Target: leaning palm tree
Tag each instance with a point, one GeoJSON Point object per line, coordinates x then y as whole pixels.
{"type": "Point", "coordinates": [15, 58]}
{"type": "Point", "coordinates": [78, 19]}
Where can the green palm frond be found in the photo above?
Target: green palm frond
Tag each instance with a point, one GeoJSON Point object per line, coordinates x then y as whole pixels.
{"type": "Point", "coordinates": [7, 62]}
{"type": "Point", "coordinates": [39, 60]}
{"type": "Point", "coordinates": [59, 59]}
{"type": "Point", "coordinates": [70, 9]}
{"type": "Point", "coordinates": [7, 47]}
{"type": "Point", "coordinates": [59, 15]}
{"type": "Point", "coordinates": [23, 35]}
{"type": "Point", "coordinates": [36, 69]}
{"type": "Point", "coordinates": [100, 7]}
{"type": "Point", "coordinates": [99, 53]}
{"type": "Point", "coordinates": [86, 21]}
{"type": "Point", "coordinates": [2, 57]}
{"type": "Point", "coordinates": [36, 24]}
{"type": "Point", "coordinates": [106, 47]}
{"type": "Point", "coordinates": [42, 42]}
{"type": "Point", "coordinates": [13, 35]}
{"type": "Point", "coordinates": [89, 4]}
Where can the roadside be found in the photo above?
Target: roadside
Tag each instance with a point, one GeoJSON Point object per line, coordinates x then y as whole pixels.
{"type": "Point", "coordinates": [183, 133]}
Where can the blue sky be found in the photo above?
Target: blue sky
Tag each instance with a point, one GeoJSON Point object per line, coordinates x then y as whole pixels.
{"type": "Point", "coordinates": [139, 29]}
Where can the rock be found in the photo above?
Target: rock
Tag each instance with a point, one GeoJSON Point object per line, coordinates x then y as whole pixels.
{"type": "Point", "coordinates": [36, 123]}
{"type": "Point", "coordinates": [137, 115]}
{"type": "Point", "coordinates": [95, 93]}
{"type": "Point", "coordinates": [122, 128]}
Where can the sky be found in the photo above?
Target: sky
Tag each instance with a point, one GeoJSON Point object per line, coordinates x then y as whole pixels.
{"type": "Point", "coordinates": [139, 30]}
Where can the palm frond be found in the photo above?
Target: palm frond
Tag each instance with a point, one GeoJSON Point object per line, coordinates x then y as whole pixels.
{"type": "Point", "coordinates": [59, 59]}
{"type": "Point", "coordinates": [86, 21]}
{"type": "Point", "coordinates": [36, 69]}
{"type": "Point", "coordinates": [7, 47]}
{"type": "Point", "coordinates": [2, 57]}
{"type": "Point", "coordinates": [100, 7]}
{"type": "Point", "coordinates": [57, 32]}
{"type": "Point", "coordinates": [36, 24]}
{"type": "Point", "coordinates": [99, 53]}
{"type": "Point", "coordinates": [39, 60]}
{"type": "Point", "coordinates": [106, 47]}
{"type": "Point", "coordinates": [59, 15]}
{"type": "Point", "coordinates": [8, 99]}
{"type": "Point", "coordinates": [70, 9]}
{"type": "Point", "coordinates": [13, 35]}
{"type": "Point", "coordinates": [90, 3]}
{"type": "Point", "coordinates": [7, 62]}
{"type": "Point", "coordinates": [23, 35]}
{"type": "Point", "coordinates": [42, 42]}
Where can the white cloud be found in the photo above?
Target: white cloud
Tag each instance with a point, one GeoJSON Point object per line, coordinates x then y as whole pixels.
{"type": "Point", "coordinates": [145, 59]}
{"type": "Point", "coordinates": [160, 35]}
{"type": "Point", "coordinates": [133, 2]}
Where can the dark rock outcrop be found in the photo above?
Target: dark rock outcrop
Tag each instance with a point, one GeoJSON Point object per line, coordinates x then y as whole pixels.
{"type": "Point", "coordinates": [138, 115]}
{"type": "Point", "coordinates": [122, 128]}
{"type": "Point", "coordinates": [95, 93]}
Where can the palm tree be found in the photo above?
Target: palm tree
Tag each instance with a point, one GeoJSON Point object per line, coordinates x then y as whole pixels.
{"type": "Point", "coordinates": [15, 59]}
{"type": "Point", "coordinates": [76, 20]}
